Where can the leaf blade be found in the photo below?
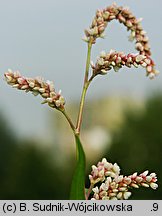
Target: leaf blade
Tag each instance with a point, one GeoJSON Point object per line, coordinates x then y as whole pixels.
{"type": "Point", "coordinates": [78, 182]}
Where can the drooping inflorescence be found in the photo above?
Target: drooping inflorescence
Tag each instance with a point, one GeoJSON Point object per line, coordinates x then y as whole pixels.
{"type": "Point", "coordinates": [116, 186]}
{"type": "Point", "coordinates": [124, 16]}
{"type": "Point", "coordinates": [115, 59]}
{"type": "Point", "coordinates": [36, 86]}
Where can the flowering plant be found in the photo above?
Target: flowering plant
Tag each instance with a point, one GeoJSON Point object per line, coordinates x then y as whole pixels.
{"type": "Point", "coordinates": [105, 179]}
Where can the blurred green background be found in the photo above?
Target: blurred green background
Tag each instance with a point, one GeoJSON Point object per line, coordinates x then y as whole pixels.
{"type": "Point", "coordinates": [130, 135]}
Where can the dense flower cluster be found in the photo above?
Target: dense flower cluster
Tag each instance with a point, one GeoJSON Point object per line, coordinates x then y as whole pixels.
{"type": "Point", "coordinates": [125, 16]}
{"type": "Point", "coordinates": [116, 186]}
{"type": "Point", "coordinates": [36, 86]}
{"type": "Point", "coordinates": [116, 60]}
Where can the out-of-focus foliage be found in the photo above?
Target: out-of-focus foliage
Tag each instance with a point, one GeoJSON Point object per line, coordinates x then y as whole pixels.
{"type": "Point", "coordinates": [7, 150]}
{"type": "Point", "coordinates": [138, 146]}
{"type": "Point", "coordinates": [27, 172]}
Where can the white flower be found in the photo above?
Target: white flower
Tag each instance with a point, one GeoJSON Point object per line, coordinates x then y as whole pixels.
{"type": "Point", "coordinates": [140, 58]}
{"type": "Point", "coordinates": [49, 100]}
{"type": "Point", "coordinates": [95, 190]}
{"type": "Point", "coordinates": [101, 172]}
{"type": "Point", "coordinates": [119, 195]}
{"type": "Point", "coordinates": [134, 175]}
{"type": "Point", "coordinates": [16, 74]}
{"type": "Point", "coordinates": [122, 189]}
{"type": "Point", "coordinates": [151, 75]}
{"type": "Point", "coordinates": [110, 173]}
{"type": "Point", "coordinates": [134, 185]}
{"type": "Point", "coordinates": [41, 90]}
{"type": "Point", "coordinates": [118, 178]}
{"type": "Point", "coordinates": [156, 72]}
{"type": "Point", "coordinates": [10, 71]}
{"type": "Point", "coordinates": [31, 84]}
{"type": "Point", "coordinates": [139, 179]}
{"type": "Point", "coordinates": [145, 185]}
{"type": "Point", "coordinates": [20, 80]}
{"type": "Point", "coordinates": [8, 78]}
{"type": "Point", "coordinates": [108, 166]}
{"type": "Point", "coordinates": [62, 100]}
{"type": "Point", "coordinates": [51, 85]}
{"type": "Point", "coordinates": [106, 15]}
{"type": "Point", "coordinates": [132, 36]}
{"type": "Point", "coordinates": [127, 180]}
{"type": "Point", "coordinates": [104, 187]}
{"type": "Point", "coordinates": [126, 194]}
{"type": "Point", "coordinates": [139, 46]}
{"type": "Point", "coordinates": [149, 68]}
{"type": "Point", "coordinates": [145, 173]}
{"type": "Point", "coordinates": [154, 185]}
{"type": "Point", "coordinates": [24, 87]}
{"type": "Point", "coordinates": [104, 160]}
{"type": "Point", "coordinates": [153, 175]}
{"type": "Point", "coordinates": [116, 168]}
{"type": "Point", "coordinates": [100, 61]}
{"type": "Point", "coordinates": [103, 54]}
{"type": "Point", "coordinates": [148, 178]}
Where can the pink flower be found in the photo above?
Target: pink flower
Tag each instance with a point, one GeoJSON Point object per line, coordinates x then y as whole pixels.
{"type": "Point", "coordinates": [116, 186]}
{"type": "Point", "coordinates": [36, 86]}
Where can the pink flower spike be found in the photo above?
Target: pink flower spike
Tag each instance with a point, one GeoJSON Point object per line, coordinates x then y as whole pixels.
{"type": "Point", "coordinates": [36, 86]}
{"type": "Point", "coordinates": [117, 186]}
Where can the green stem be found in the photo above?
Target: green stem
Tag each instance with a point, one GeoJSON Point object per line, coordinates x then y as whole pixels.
{"type": "Point", "coordinates": [85, 87]}
{"type": "Point", "coordinates": [68, 119]}
{"type": "Point", "coordinates": [88, 62]}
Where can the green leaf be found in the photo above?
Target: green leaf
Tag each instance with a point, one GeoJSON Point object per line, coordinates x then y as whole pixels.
{"type": "Point", "coordinates": [78, 182]}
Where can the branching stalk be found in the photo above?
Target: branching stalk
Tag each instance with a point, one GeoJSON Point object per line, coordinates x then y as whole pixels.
{"type": "Point", "coordinates": [68, 119]}
{"type": "Point", "coordinates": [84, 91]}
{"type": "Point", "coordinates": [89, 191]}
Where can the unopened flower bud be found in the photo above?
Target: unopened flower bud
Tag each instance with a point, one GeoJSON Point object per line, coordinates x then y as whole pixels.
{"type": "Point", "coordinates": [122, 189]}
{"type": "Point", "coordinates": [41, 90]}
{"type": "Point", "coordinates": [151, 75]}
{"type": "Point", "coordinates": [106, 15]}
{"type": "Point", "coordinates": [154, 186]}
{"type": "Point", "coordinates": [24, 87]}
{"type": "Point", "coordinates": [134, 185]}
{"type": "Point", "coordinates": [140, 58]}
{"type": "Point", "coordinates": [148, 178]}
{"type": "Point", "coordinates": [139, 47]}
{"type": "Point", "coordinates": [119, 195]}
{"type": "Point", "coordinates": [100, 61]}
{"type": "Point", "coordinates": [144, 185]}
{"type": "Point", "coordinates": [126, 194]}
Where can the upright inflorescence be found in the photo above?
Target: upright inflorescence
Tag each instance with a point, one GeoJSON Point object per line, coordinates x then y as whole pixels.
{"type": "Point", "coordinates": [118, 59]}
{"type": "Point", "coordinates": [116, 186]}
{"type": "Point", "coordinates": [36, 86]}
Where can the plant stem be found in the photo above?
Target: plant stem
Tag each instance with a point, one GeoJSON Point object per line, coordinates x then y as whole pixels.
{"type": "Point", "coordinates": [89, 191]}
{"type": "Point", "coordinates": [85, 87]}
{"type": "Point", "coordinates": [88, 62]}
{"type": "Point", "coordinates": [68, 119]}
